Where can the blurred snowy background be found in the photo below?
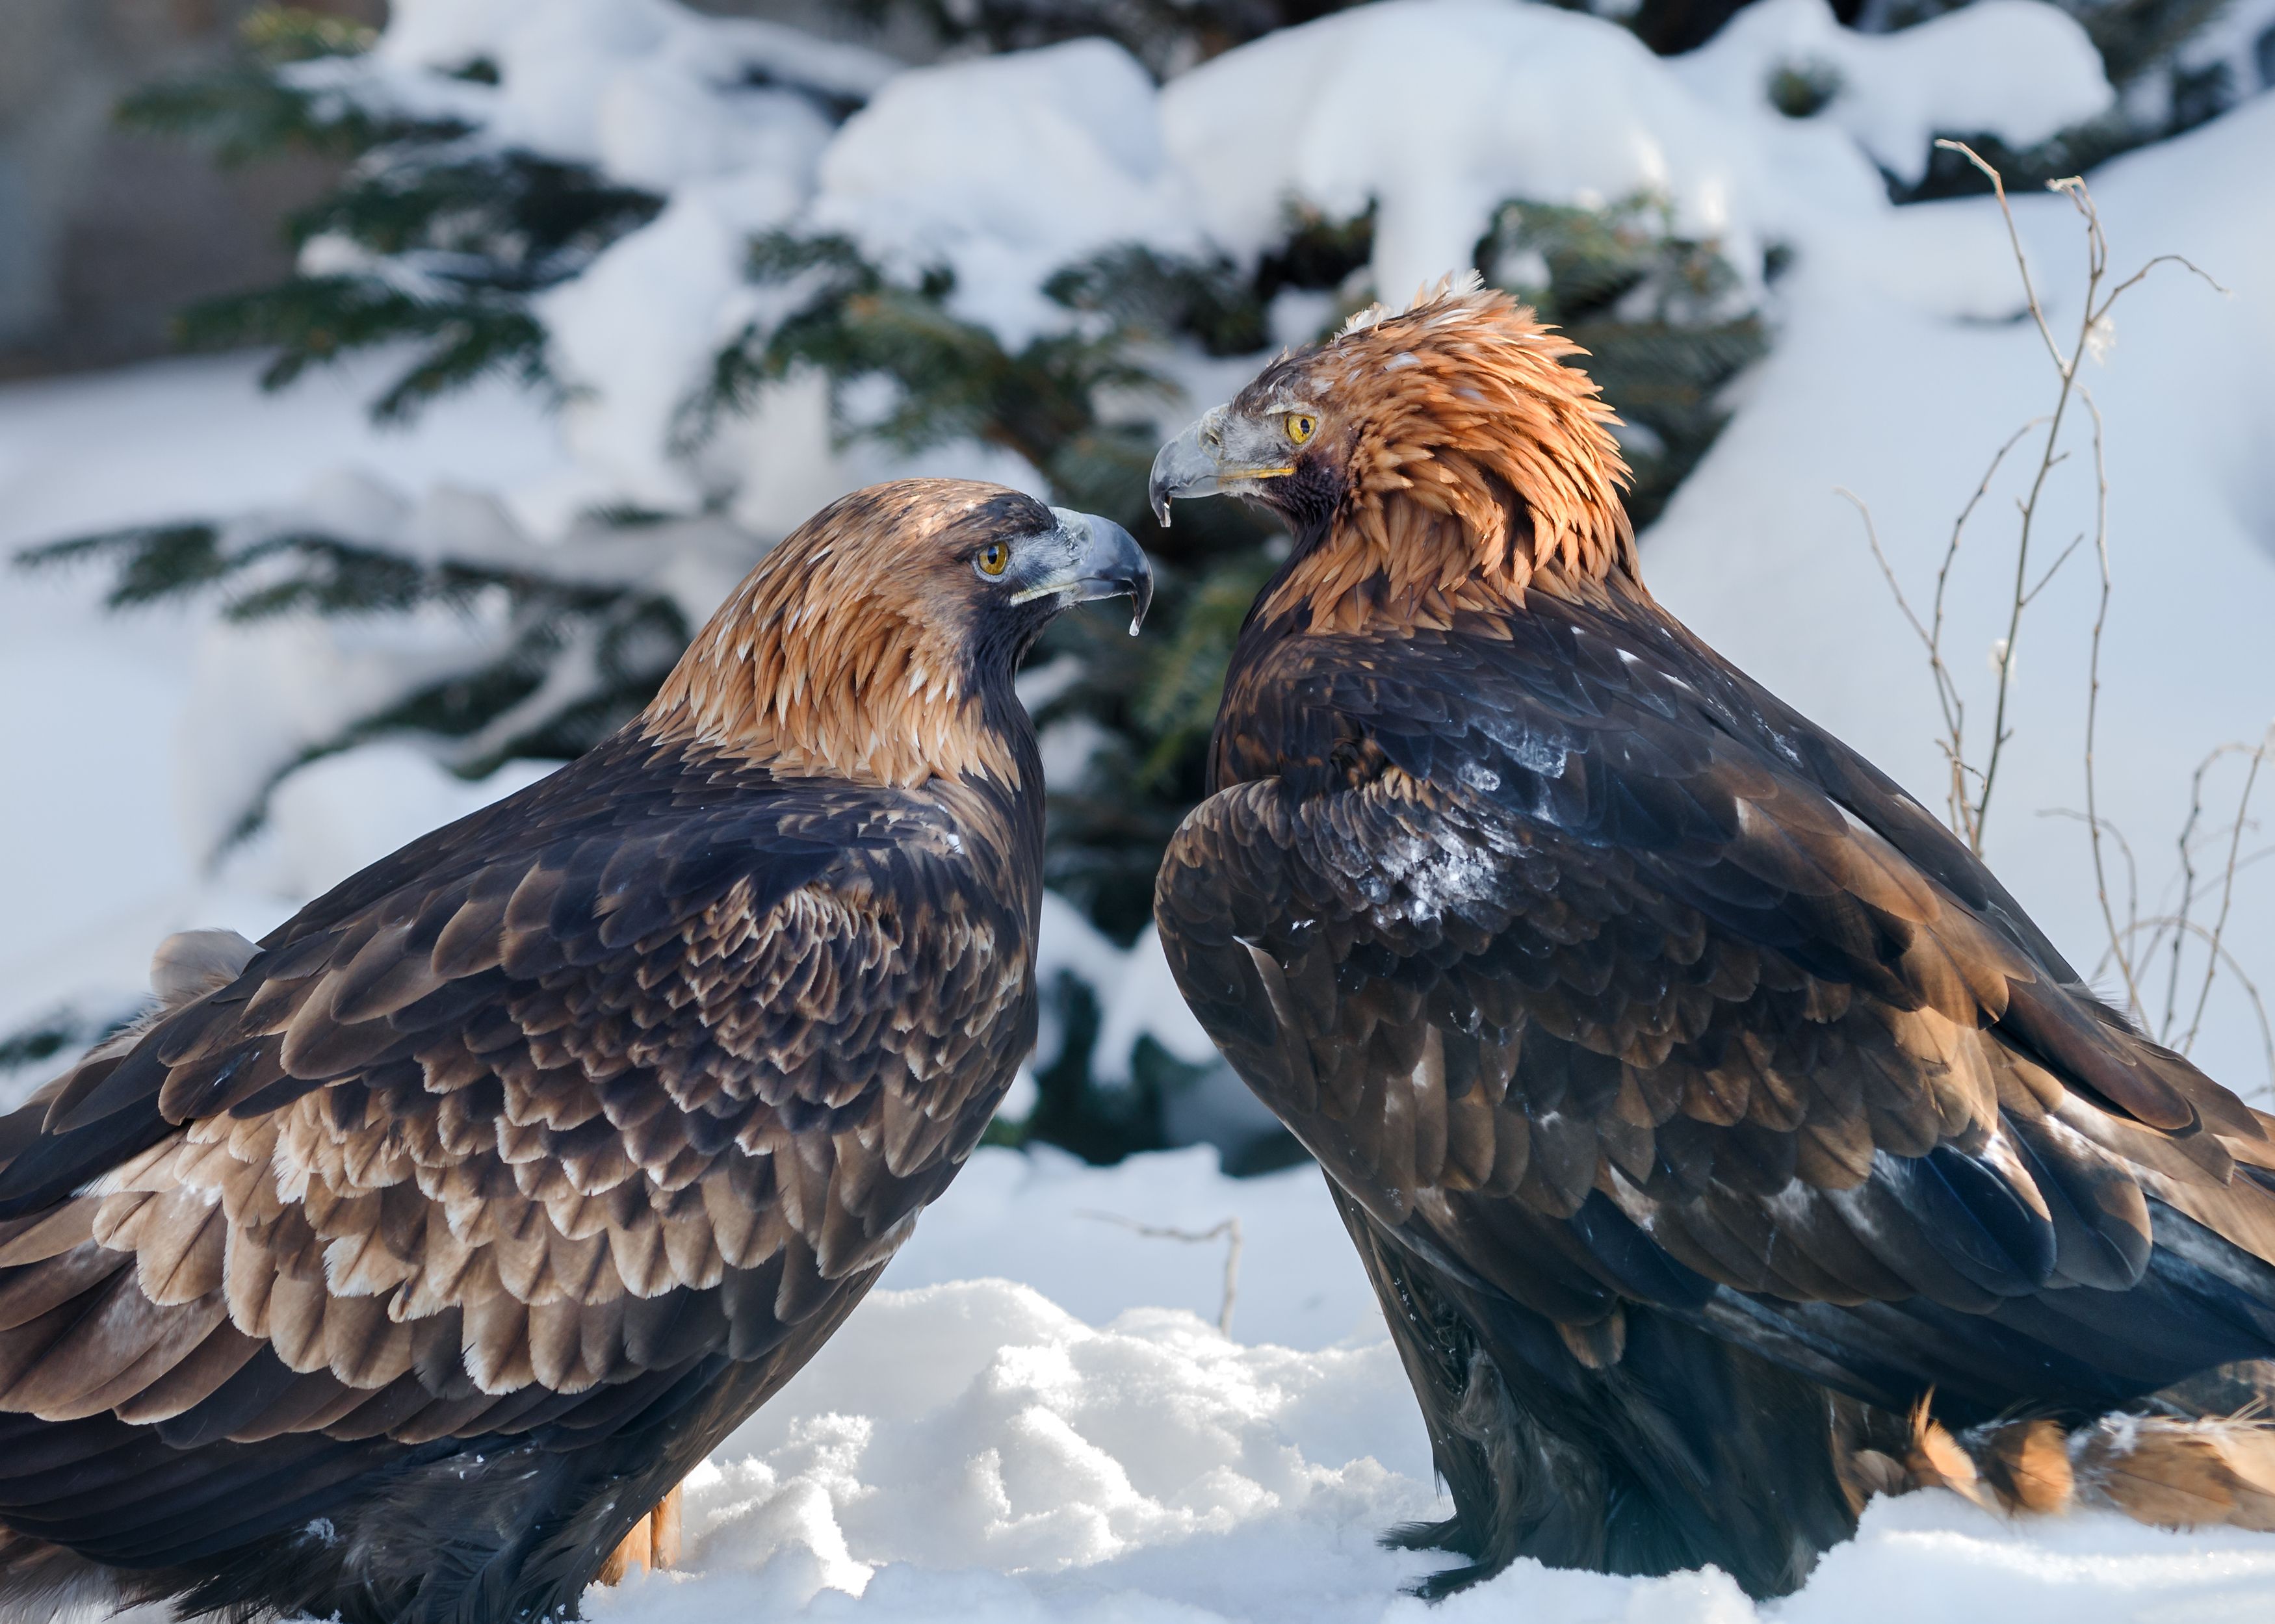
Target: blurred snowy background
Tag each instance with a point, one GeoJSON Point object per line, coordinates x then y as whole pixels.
{"type": "Point", "coordinates": [589, 301]}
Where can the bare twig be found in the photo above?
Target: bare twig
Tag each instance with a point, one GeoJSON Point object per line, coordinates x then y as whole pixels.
{"type": "Point", "coordinates": [2093, 819]}
{"type": "Point", "coordinates": [2188, 852]}
{"type": "Point", "coordinates": [2133, 943]}
{"type": "Point", "coordinates": [2256, 757]}
{"type": "Point", "coordinates": [2236, 972]}
{"type": "Point", "coordinates": [2109, 831]}
{"type": "Point", "coordinates": [2049, 459]}
{"type": "Point", "coordinates": [2141, 275]}
{"type": "Point", "coordinates": [2189, 891]}
{"type": "Point", "coordinates": [1229, 1228]}
{"type": "Point", "coordinates": [2014, 240]}
{"type": "Point", "coordinates": [1887, 571]}
{"type": "Point", "coordinates": [2054, 568]}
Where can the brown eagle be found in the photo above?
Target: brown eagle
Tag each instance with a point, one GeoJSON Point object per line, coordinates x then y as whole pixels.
{"type": "Point", "coordinates": [396, 1272]}
{"type": "Point", "coordinates": [1723, 1141]}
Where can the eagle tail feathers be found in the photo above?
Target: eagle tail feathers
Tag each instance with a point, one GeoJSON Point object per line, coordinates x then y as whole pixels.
{"type": "Point", "coordinates": [2169, 1471]}
{"type": "Point", "coordinates": [41, 1583]}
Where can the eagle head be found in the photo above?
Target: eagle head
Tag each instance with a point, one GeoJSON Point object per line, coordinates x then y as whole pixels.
{"type": "Point", "coordinates": [877, 642]}
{"type": "Point", "coordinates": [1450, 439]}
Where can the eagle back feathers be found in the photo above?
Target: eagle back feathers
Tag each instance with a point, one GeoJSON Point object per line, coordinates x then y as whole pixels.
{"type": "Point", "coordinates": [653, 1063]}
{"type": "Point", "coordinates": [1596, 976]}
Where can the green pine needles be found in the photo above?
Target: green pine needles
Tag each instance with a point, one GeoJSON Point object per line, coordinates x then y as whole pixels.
{"type": "Point", "coordinates": [431, 238]}
{"type": "Point", "coordinates": [436, 238]}
{"type": "Point", "coordinates": [559, 662]}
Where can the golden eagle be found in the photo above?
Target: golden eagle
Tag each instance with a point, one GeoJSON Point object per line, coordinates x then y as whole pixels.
{"type": "Point", "coordinates": [1723, 1141]}
{"type": "Point", "coordinates": [395, 1271]}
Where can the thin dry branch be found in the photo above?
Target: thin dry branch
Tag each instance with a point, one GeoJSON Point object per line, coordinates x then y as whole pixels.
{"type": "Point", "coordinates": [2053, 568]}
{"type": "Point", "coordinates": [2094, 820]}
{"type": "Point", "coordinates": [2132, 942]}
{"type": "Point", "coordinates": [2049, 459]}
{"type": "Point", "coordinates": [2256, 757]}
{"type": "Point", "coordinates": [2013, 239]}
{"type": "Point", "coordinates": [1229, 1228]}
{"type": "Point", "coordinates": [1953, 743]}
{"type": "Point", "coordinates": [2108, 831]}
{"type": "Point", "coordinates": [2222, 955]}
{"type": "Point", "coordinates": [2190, 892]}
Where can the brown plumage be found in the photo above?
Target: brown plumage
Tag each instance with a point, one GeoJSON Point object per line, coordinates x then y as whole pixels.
{"type": "Point", "coordinates": [1701, 1108]}
{"type": "Point", "coordinates": [395, 1268]}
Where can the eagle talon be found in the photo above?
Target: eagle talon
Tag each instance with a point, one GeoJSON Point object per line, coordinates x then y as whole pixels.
{"type": "Point", "coordinates": [651, 1545]}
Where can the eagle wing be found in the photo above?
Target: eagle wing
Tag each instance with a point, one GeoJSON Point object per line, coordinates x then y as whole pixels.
{"type": "Point", "coordinates": [1596, 977]}
{"type": "Point", "coordinates": [642, 1069]}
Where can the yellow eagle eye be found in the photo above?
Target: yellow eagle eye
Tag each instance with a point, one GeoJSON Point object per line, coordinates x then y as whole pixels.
{"type": "Point", "coordinates": [1302, 425]}
{"type": "Point", "coordinates": [993, 558]}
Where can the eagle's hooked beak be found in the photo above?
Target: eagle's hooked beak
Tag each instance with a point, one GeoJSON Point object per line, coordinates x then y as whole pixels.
{"type": "Point", "coordinates": [1209, 458]}
{"type": "Point", "coordinates": [1095, 558]}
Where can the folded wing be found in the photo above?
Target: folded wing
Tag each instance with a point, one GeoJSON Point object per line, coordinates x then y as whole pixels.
{"type": "Point", "coordinates": [520, 1129]}
{"type": "Point", "coordinates": [1596, 977]}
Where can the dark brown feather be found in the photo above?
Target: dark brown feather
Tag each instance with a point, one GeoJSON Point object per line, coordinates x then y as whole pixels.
{"type": "Point", "coordinates": [570, 1129]}
{"type": "Point", "coordinates": [1786, 1071]}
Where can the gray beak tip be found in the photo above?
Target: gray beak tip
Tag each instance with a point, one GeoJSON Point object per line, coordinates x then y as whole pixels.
{"type": "Point", "coordinates": [1185, 467]}
{"type": "Point", "coordinates": [1141, 599]}
{"type": "Point", "coordinates": [1108, 564]}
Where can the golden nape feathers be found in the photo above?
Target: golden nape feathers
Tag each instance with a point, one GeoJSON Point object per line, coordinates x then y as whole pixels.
{"type": "Point", "coordinates": [850, 650]}
{"type": "Point", "coordinates": [1463, 400]}
{"type": "Point", "coordinates": [1457, 460]}
{"type": "Point", "coordinates": [842, 653]}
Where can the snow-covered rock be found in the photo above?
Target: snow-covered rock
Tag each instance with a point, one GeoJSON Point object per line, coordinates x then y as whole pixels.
{"type": "Point", "coordinates": [969, 1448]}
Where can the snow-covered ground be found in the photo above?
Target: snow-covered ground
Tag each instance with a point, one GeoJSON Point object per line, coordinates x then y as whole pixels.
{"type": "Point", "coordinates": [1040, 1419]}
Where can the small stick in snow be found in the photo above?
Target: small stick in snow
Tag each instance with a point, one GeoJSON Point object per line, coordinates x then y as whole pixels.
{"type": "Point", "coordinates": [1229, 1228]}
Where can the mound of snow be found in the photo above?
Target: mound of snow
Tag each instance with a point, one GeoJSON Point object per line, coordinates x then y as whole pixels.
{"type": "Point", "coordinates": [652, 93]}
{"type": "Point", "coordinates": [973, 1451]}
{"type": "Point", "coordinates": [1439, 111]}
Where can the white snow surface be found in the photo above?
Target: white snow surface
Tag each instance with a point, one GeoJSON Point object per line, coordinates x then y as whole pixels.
{"type": "Point", "coordinates": [1005, 169]}
{"type": "Point", "coordinates": [1441, 110]}
{"type": "Point", "coordinates": [1074, 1438]}
{"type": "Point", "coordinates": [1892, 93]}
